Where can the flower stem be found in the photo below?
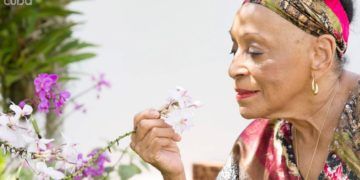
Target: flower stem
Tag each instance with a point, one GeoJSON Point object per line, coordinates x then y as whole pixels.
{"type": "Point", "coordinates": [22, 152]}
{"type": "Point", "coordinates": [98, 153]}
{"type": "Point", "coordinates": [82, 93]}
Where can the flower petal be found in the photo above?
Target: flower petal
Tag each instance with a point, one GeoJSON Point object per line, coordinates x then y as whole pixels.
{"type": "Point", "coordinates": [27, 109]}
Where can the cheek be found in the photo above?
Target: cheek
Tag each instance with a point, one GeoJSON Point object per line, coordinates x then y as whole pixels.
{"type": "Point", "coordinates": [279, 81]}
{"type": "Point", "coordinates": [268, 78]}
{"type": "Point", "coordinates": [271, 77]}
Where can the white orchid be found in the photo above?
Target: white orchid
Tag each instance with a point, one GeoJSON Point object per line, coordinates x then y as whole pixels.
{"type": "Point", "coordinates": [182, 98]}
{"type": "Point", "coordinates": [179, 110]}
{"type": "Point", "coordinates": [12, 132]}
{"type": "Point", "coordinates": [45, 172]}
{"type": "Point", "coordinates": [21, 112]}
{"type": "Point", "coordinates": [69, 154]}
{"type": "Point", "coordinates": [9, 121]}
{"type": "Point", "coordinates": [180, 119]}
{"type": "Point", "coordinates": [39, 145]}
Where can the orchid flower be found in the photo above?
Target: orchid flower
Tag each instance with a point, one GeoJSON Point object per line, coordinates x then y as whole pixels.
{"type": "Point", "coordinates": [39, 145]}
{"type": "Point", "coordinates": [11, 131]}
{"type": "Point", "coordinates": [48, 92]}
{"type": "Point", "coordinates": [45, 172]}
{"type": "Point", "coordinates": [179, 110]}
{"type": "Point", "coordinates": [20, 112]}
{"type": "Point", "coordinates": [101, 82]}
{"type": "Point", "coordinates": [69, 156]}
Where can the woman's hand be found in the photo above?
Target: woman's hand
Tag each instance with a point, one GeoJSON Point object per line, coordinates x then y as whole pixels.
{"type": "Point", "coordinates": [155, 142]}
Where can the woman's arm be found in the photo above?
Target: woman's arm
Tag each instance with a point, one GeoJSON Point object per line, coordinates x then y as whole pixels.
{"type": "Point", "coordinates": [180, 176]}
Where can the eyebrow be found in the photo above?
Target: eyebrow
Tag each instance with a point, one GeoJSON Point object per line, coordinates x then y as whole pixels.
{"type": "Point", "coordinates": [247, 34]}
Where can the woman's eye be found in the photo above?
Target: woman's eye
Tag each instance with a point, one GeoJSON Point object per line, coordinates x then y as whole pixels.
{"type": "Point", "coordinates": [254, 52]}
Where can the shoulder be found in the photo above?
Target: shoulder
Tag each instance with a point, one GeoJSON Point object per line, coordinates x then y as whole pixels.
{"type": "Point", "coordinates": [244, 151]}
{"type": "Point", "coordinates": [252, 147]}
{"type": "Point", "coordinates": [254, 139]}
{"type": "Point", "coordinates": [258, 130]}
{"type": "Point", "coordinates": [346, 142]}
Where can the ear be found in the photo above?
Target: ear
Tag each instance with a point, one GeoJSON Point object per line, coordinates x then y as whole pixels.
{"type": "Point", "coordinates": [324, 54]}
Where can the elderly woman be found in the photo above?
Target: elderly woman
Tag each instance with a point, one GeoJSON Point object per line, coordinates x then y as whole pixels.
{"type": "Point", "coordinates": [289, 77]}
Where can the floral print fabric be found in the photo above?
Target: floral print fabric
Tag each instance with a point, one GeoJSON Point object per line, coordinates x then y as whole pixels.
{"type": "Point", "coordinates": [264, 149]}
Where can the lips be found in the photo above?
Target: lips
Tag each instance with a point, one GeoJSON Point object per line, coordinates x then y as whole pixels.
{"type": "Point", "coordinates": [244, 93]}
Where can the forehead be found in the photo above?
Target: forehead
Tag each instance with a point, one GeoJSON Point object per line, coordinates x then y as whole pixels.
{"type": "Point", "coordinates": [257, 19]}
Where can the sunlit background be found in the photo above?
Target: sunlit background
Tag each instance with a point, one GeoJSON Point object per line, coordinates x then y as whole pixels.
{"type": "Point", "coordinates": [147, 48]}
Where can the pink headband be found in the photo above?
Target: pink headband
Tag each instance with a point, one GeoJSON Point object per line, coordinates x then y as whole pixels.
{"type": "Point", "coordinates": [338, 10]}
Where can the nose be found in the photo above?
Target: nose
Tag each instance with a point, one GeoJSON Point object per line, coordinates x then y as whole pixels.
{"type": "Point", "coordinates": [237, 69]}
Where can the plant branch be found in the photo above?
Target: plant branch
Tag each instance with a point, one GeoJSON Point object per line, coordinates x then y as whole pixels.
{"type": "Point", "coordinates": [98, 153]}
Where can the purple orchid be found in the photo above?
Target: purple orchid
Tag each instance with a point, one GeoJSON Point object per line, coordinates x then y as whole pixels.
{"type": "Point", "coordinates": [97, 169]}
{"type": "Point", "coordinates": [48, 93]}
{"type": "Point", "coordinates": [60, 101]}
{"type": "Point", "coordinates": [101, 82]}
{"type": "Point", "coordinates": [45, 82]}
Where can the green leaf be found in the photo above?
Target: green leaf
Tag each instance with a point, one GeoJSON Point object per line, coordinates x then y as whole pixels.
{"type": "Point", "coordinates": [74, 45]}
{"type": "Point", "coordinates": [127, 171]}
{"type": "Point", "coordinates": [51, 11]}
{"type": "Point", "coordinates": [2, 161]}
{"type": "Point", "coordinates": [26, 173]}
{"type": "Point", "coordinates": [67, 59]}
{"type": "Point", "coordinates": [52, 38]}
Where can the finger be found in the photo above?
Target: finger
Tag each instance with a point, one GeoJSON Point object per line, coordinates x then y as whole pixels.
{"type": "Point", "coordinates": [153, 149]}
{"type": "Point", "coordinates": [144, 126]}
{"type": "Point", "coordinates": [155, 133]}
{"type": "Point", "coordinates": [147, 114]}
{"type": "Point", "coordinates": [160, 133]}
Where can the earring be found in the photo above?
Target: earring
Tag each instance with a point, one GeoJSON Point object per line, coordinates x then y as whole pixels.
{"type": "Point", "coordinates": [314, 87]}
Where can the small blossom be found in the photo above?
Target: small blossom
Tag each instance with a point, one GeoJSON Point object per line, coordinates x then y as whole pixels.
{"type": "Point", "coordinates": [20, 112]}
{"type": "Point", "coordinates": [179, 110]}
{"type": "Point", "coordinates": [39, 145]}
{"type": "Point", "coordinates": [44, 104]}
{"type": "Point", "coordinates": [68, 156]}
{"type": "Point", "coordinates": [45, 82]}
{"type": "Point", "coordinates": [180, 120]}
{"type": "Point", "coordinates": [13, 132]}
{"type": "Point", "coordinates": [70, 151]}
{"type": "Point", "coordinates": [48, 93]}
{"type": "Point", "coordinates": [45, 172]}
{"type": "Point", "coordinates": [181, 97]}
{"type": "Point", "coordinates": [60, 101]}
{"type": "Point", "coordinates": [98, 168]}
{"type": "Point", "coordinates": [101, 82]}
{"type": "Point", "coordinates": [80, 107]}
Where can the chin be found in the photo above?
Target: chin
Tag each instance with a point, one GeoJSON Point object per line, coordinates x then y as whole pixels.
{"type": "Point", "coordinates": [251, 113]}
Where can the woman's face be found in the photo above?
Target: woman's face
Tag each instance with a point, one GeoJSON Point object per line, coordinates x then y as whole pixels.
{"type": "Point", "coordinates": [271, 65]}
